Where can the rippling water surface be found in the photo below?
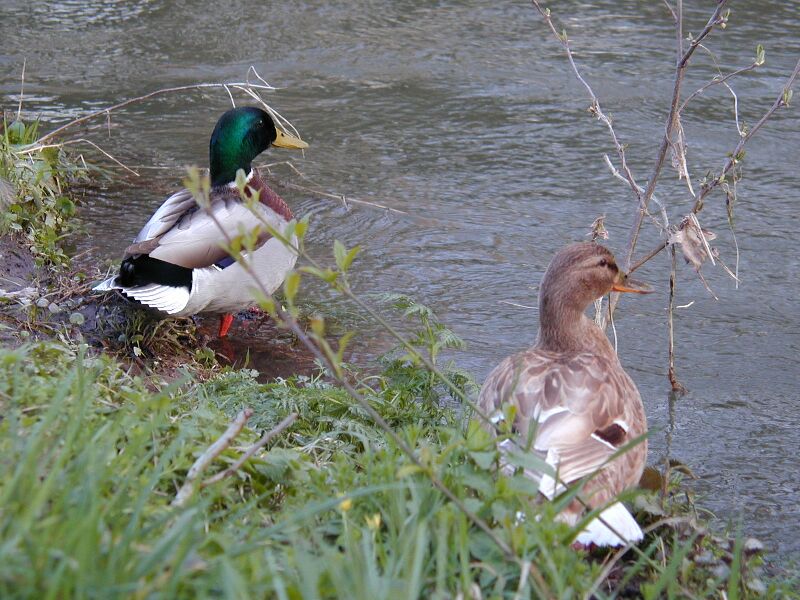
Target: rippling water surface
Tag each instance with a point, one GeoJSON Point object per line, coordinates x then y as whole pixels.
{"type": "Point", "coordinates": [466, 117]}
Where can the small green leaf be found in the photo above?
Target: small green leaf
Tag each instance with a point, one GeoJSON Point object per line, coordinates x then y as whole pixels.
{"type": "Point", "coordinates": [484, 460]}
{"type": "Point", "coordinates": [521, 484]}
{"type": "Point", "coordinates": [343, 341]}
{"type": "Point", "coordinates": [407, 470]}
{"type": "Point", "coordinates": [478, 438]}
{"type": "Point", "coordinates": [350, 256]}
{"type": "Point", "coordinates": [199, 186]}
{"type": "Point", "coordinates": [291, 285]}
{"type": "Point", "coordinates": [529, 462]}
{"type": "Point", "coordinates": [65, 205]}
{"type": "Point", "coordinates": [326, 275]}
{"type": "Point", "coordinates": [760, 55]}
{"type": "Point", "coordinates": [241, 182]}
{"type": "Point", "coordinates": [318, 325]}
{"type": "Point", "coordinates": [339, 252]}
{"type": "Point", "coordinates": [50, 155]}
{"type": "Point", "coordinates": [266, 303]}
{"type": "Point", "coordinates": [289, 232]}
{"type": "Point", "coordinates": [301, 227]}
{"type": "Point", "coordinates": [16, 132]}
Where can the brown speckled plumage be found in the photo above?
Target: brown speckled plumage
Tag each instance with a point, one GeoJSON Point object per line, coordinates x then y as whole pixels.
{"type": "Point", "coordinates": [569, 389]}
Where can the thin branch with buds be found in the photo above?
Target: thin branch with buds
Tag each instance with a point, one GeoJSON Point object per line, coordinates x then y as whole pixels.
{"type": "Point", "coordinates": [595, 108]}
{"type": "Point", "coordinates": [733, 158]}
{"type": "Point", "coordinates": [288, 321]}
{"type": "Point", "coordinates": [673, 139]}
{"type": "Point", "coordinates": [672, 118]}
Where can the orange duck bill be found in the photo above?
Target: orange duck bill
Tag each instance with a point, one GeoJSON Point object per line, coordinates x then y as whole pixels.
{"type": "Point", "coordinates": [628, 285]}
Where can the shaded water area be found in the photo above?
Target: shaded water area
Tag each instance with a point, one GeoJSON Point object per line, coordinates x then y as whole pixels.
{"type": "Point", "coordinates": [466, 116]}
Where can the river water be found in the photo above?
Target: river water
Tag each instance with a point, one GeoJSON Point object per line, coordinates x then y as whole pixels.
{"type": "Point", "coordinates": [466, 116]}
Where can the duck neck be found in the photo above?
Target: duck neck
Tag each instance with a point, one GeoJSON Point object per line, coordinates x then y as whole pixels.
{"type": "Point", "coordinates": [255, 184]}
{"type": "Point", "coordinates": [223, 169]}
{"type": "Point", "coordinates": [565, 328]}
{"type": "Point", "coordinates": [268, 197]}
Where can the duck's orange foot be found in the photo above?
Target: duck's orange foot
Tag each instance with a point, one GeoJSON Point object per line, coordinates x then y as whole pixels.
{"type": "Point", "coordinates": [225, 322]}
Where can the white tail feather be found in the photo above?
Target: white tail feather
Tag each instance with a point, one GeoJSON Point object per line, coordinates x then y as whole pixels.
{"type": "Point", "coordinates": [618, 517]}
{"type": "Point", "coordinates": [166, 298]}
{"type": "Point", "coordinates": [107, 285]}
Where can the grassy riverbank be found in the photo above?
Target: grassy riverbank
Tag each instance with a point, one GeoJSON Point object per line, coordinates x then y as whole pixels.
{"type": "Point", "coordinates": [93, 459]}
{"type": "Point", "coordinates": [98, 442]}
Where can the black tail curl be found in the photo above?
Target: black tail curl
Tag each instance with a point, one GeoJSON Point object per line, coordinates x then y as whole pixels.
{"type": "Point", "coordinates": [142, 270]}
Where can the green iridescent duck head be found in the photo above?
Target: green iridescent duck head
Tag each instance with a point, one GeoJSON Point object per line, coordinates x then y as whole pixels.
{"type": "Point", "coordinates": [239, 136]}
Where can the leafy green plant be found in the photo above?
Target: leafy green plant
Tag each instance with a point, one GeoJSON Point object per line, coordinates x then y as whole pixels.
{"type": "Point", "coordinates": [40, 210]}
{"type": "Point", "coordinates": [429, 338]}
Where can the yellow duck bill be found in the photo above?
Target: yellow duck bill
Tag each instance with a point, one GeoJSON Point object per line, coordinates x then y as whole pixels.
{"type": "Point", "coordinates": [287, 140]}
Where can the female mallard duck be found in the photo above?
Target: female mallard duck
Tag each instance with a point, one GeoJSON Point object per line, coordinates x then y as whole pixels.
{"type": "Point", "coordinates": [177, 265]}
{"type": "Point", "coordinates": [573, 396]}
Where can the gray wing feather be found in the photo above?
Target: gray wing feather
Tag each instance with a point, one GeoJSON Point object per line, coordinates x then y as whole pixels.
{"type": "Point", "coordinates": [182, 234]}
{"type": "Point", "coordinates": [173, 208]}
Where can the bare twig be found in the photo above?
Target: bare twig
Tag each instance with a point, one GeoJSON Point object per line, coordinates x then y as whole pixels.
{"type": "Point", "coordinates": [251, 451]}
{"type": "Point", "coordinates": [595, 108]}
{"type": "Point", "coordinates": [648, 256]}
{"type": "Point", "coordinates": [733, 159]}
{"type": "Point", "coordinates": [342, 198]}
{"type": "Point", "coordinates": [673, 379]}
{"type": "Point", "coordinates": [214, 450]}
{"type": "Point", "coordinates": [680, 69]}
{"type": "Point", "coordinates": [678, 16]}
{"type": "Point", "coordinates": [244, 86]}
{"type": "Point", "coordinates": [734, 156]}
{"type": "Point", "coordinates": [38, 147]}
{"type": "Point", "coordinates": [517, 305]}
{"type": "Point", "coordinates": [671, 10]}
{"type": "Point", "coordinates": [663, 226]}
{"type": "Point", "coordinates": [21, 89]}
{"type": "Point", "coordinates": [717, 80]}
{"type": "Point", "coordinates": [723, 80]}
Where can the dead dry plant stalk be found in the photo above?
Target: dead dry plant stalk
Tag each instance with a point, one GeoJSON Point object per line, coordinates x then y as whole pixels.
{"type": "Point", "coordinates": [213, 451]}
{"type": "Point", "coordinates": [272, 433]}
{"type": "Point", "coordinates": [248, 87]}
{"type": "Point", "coordinates": [673, 379]}
{"type": "Point", "coordinates": [672, 119]}
{"type": "Point", "coordinates": [594, 108]}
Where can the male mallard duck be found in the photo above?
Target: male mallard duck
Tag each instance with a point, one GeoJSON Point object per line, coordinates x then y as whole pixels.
{"type": "Point", "coordinates": [573, 396]}
{"type": "Point", "coordinates": [176, 263]}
